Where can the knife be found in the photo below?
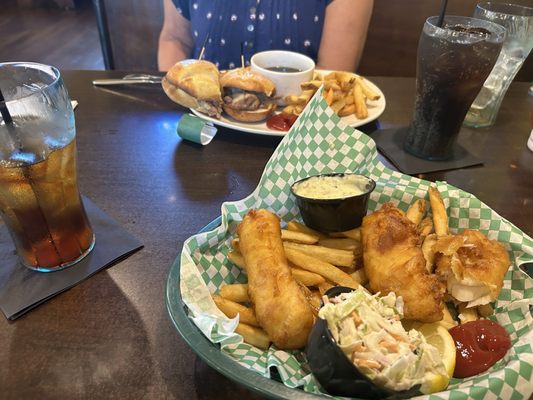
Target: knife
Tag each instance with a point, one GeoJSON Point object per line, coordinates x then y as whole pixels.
{"type": "Point", "coordinates": [131, 79]}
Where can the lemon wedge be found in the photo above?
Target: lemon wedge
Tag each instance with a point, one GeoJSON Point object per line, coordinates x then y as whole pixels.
{"type": "Point", "coordinates": [438, 336]}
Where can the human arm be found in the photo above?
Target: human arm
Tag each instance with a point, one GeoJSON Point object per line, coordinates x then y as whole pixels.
{"type": "Point", "coordinates": [175, 39]}
{"type": "Point", "coordinates": [344, 34]}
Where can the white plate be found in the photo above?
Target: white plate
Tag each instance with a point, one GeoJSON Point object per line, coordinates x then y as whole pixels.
{"type": "Point", "coordinates": [375, 109]}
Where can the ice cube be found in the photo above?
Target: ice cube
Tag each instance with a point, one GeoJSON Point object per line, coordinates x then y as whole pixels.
{"type": "Point", "coordinates": [22, 157]}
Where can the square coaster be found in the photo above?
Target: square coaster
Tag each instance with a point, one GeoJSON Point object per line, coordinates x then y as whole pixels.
{"type": "Point", "coordinates": [390, 143]}
{"type": "Point", "coordinates": [22, 289]}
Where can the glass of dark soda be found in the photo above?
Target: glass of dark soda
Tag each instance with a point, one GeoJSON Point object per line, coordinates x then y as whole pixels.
{"type": "Point", "coordinates": [453, 62]}
{"type": "Point", "coordinates": [39, 199]}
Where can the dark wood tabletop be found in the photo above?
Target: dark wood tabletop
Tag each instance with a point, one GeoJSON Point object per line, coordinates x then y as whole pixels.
{"type": "Point", "coordinates": [110, 336]}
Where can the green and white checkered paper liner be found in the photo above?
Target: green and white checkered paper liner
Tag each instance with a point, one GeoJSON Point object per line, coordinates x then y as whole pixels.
{"type": "Point", "coordinates": [320, 143]}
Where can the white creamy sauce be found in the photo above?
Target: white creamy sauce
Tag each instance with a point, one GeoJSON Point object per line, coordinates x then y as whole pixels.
{"type": "Point", "coordinates": [331, 187]}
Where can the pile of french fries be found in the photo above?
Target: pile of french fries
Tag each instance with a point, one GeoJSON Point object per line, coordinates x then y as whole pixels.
{"type": "Point", "coordinates": [345, 92]}
{"type": "Point", "coordinates": [318, 262]}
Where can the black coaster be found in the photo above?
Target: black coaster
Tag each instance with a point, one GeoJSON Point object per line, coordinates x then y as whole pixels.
{"type": "Point", "coordinates": [22, 289]}
{"type": "Point", "coordinates": [390, 143]}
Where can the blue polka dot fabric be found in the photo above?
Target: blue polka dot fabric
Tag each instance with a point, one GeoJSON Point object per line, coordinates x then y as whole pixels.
{"type": "Point", "coordinates": [294, 25]}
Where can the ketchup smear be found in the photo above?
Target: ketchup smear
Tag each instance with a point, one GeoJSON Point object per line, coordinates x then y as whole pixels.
{"type": "Point", "coordinates": [281, 122]}
{"type": "Point", "coordinates": [479, 344]}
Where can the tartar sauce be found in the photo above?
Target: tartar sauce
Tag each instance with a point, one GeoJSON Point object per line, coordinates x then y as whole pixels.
{"type": "Point", "coordinates": [331, 187]}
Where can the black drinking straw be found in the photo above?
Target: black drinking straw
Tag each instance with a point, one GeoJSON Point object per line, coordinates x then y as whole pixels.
{"type": "Point", "coordinates": [442, 13]}
{"type": "Point", "coordinates": [242, 54]}
{"type": "Point", "coordinates": [202, 50]}
{"type": "Point", "coordinates": [4, 111]}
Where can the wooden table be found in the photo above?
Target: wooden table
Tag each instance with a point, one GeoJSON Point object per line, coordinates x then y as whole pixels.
{"type": "Point", "coordinates": [110, 336]}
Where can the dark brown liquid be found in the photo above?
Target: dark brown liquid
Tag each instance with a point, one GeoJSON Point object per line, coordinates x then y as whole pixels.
{"type": "Point", "coordinates": [449, 77]}
{"type": "Point", "coordinates": [284, 69]}
{"type": "Point", "coordinates": [473, 30]}
{"type": "Point", "coordinates": [41, 205]}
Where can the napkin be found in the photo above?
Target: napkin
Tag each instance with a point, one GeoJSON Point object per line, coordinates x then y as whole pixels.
{"type": "Point", "coordinates": [22, 289]}
{"type": "Point", "coordinates": [320, 143]}
{"type": "Point", "coordinates": [390, 142]}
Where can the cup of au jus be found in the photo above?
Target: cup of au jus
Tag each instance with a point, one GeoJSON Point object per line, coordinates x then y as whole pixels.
{"type": "Point", "coordinates": [286, 69]}
{"type": "Point", "coordinates": [333, 202]}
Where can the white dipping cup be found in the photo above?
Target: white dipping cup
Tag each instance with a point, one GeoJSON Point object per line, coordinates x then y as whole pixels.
{"type": "Point", "coordinates": [287, 83]}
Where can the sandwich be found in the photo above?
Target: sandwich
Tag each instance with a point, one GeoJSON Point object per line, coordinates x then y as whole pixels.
{"type": "Point", "coordinates": [247, 95]}
{"type": "Point", "coordinates": [195, 84]}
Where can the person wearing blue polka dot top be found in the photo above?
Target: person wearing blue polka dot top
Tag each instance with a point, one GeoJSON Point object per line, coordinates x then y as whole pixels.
{"type": "Point", "coordinates": [332, 32]}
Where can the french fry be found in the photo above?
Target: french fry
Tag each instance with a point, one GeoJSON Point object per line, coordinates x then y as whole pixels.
{"type": "Point", "coordinates": [237, 259]}
{"type": "Point", "coordinates": [324, 287]}
{"type": "Point", "coordinates": [361, 111]}
{"type": "Point", "coordinates": [447, 320]}
{"type": "Point", "coordinates": [327, 270]}
{"type": "Point", "coordinates": [298, 227]}
{"type": "Point", "coordinates": [345, 77]}
{"type": "Point", "coordinates": [348, 244]}
{"type": "Point", "coordinates": [231, 309]}
{"type": "Point", "coordinates": [330, 76]}
{"type": "Point", "coordinates": [315, 84]}
{"type": "Point", "coordinates": [328, 95]}
{"type": "Point", "coordinates": [307, 94]}
{"type": "Point", "coordinates": [429, 251]}
{"type": "Point", "coordinates": [426, 226]}
{"type": "Point", "coordinates": [253, 335]}
{"type": "Point", "coordinates": [298, 237]}
{"type": "Point", "coordinates": [289, 109]}
{"type": "Point", "coordinates": [307, 278]}
{"type": "Point", "coordinates": [467, 314]}
{"type": "Point", "coordinates": [337, 257]}
{"type": "Point", "coordinates": [438, 210]}
{"type": "Point", "coordinates": [359, 276]}
{"type": "Point", "coordinates": [367, 91]}
{"type": "Point", "coordinates": [485, 310]}
{"type": "Point", "coordinates": [347, 109]}
{"type": "Point", "coordinates": [294, 100]}
{"type": "Point", "coordinates": [332, 85]}
{"type": "Point", "coordinates": [416, 211]}
{"type": "Point", "coordinates": [352, 233]}
{"type": "Point", "coordinates": [317, 76]}
{"type": "Point", "coordinates": [237, 292]}
{"type": "Point", "coordinates": [337, 105]}
{"type": "Point", "coordinates": [349, 100]}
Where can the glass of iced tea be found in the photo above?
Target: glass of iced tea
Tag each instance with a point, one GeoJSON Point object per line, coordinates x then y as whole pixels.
{"type": "Point", "coordinates": [39, 198]}
{"type": "Point", "coordinates": [453, 61]}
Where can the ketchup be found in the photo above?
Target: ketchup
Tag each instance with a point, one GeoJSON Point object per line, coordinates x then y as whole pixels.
{"type": "Point", "coordinates": [479, 344]}
{"type": "Point", "coordinates": [281, 122]}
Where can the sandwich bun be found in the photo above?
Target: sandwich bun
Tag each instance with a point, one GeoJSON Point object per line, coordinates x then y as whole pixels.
{"type": "Point", "coordinates": [194, 84]}
{"type": "Point", "coordinates": [248, 80]}
{"type": "Point", "coordinates": [250, 116]}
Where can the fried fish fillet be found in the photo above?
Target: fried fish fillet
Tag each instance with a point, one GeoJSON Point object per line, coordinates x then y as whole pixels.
{"type": "Point", "coordinates": [280, 306]}
{"type": "Point", "coordinates": [394, 262]}
{"type": "Point", "coordinates": [472, 266]}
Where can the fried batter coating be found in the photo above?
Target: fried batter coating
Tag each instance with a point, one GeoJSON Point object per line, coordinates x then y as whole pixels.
{"type": "Point", "coordinates": [394, 262]}
{"type": "Point", "coordinates": [472, 266]}
{"type": "Point", "coordinates": [280, 306]}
